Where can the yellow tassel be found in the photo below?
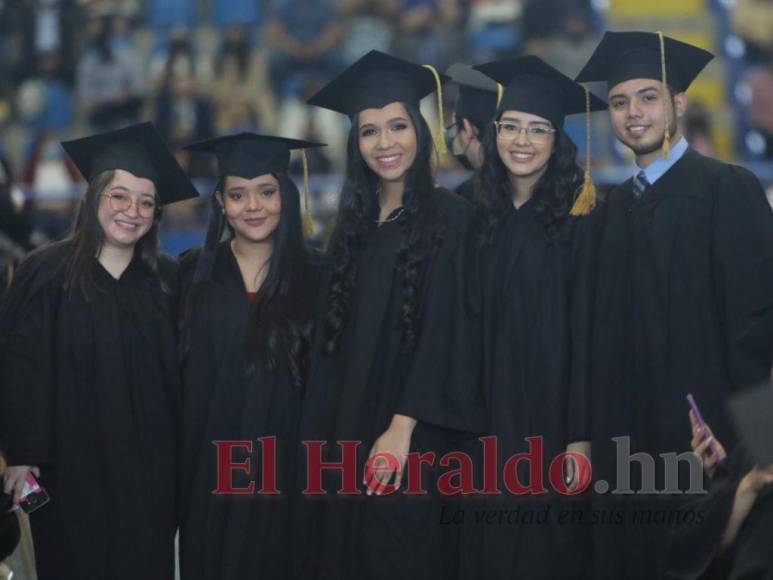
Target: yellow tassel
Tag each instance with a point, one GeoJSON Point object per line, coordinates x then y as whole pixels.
{"type": "Point", "coordinates": [586, 200]}
{"type": "Point", "coordinates": [441, 143]}
{"type": "Point", "coordinates": [500, 91]}
{"type": "Point", "coordinates": [308, 222]}
{"type": "Point", "coordinates": [666, 150]}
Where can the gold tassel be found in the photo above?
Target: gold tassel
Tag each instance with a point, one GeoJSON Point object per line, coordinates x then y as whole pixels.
{"type": "Point", "coordinates": [308, 222]}
{"type": "Point", "coordinates": [586, 200]}
{"type": "Point", "coordinates": [667, 128]}
{"type": "Point", "coordinates": [441, 142]}
{"type": "Point", "coordinates": [500, 91]}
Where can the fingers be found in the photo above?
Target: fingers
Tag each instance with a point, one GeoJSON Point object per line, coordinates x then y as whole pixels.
{"type": "Point", "coordinates": [36, 471]}
{"type": "Point", "coordinates": [693, 422]}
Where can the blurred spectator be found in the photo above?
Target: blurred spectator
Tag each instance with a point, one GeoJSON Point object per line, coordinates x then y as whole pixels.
{"type": "Point", "coordinates": [697, 129]}
{"type": "Point", "coordinates": [753, 20]}
{"type": "Point", "coordinates": [305, 38]}
{"type": "Point", "coordinates": [369, 26]}
{"type": "Point", "coordinates": [44, 103]}
{"type": "Point", "coordinates": [227, 13]}
{"type": "Point", "coordinates": [561, 32]}
{"type": "Point", "coordinates": [493, 29]}
{"type": "Point", "coordinates": [240, 91]}
{"type": "Point", "coordinates": [51, 182]}
{"type": "Point", "coordinates": [759, 111]}
{"type": "Point", "coordinates": [171, 14]}
{"type": "Point", "coordinates": [31, 28]}
{"type": "Point", "coordinates": [428, 30]}
{"type": "Point", "coordinates": [182, 113]}
{"type": "Point", "coordinates": [109, 85]}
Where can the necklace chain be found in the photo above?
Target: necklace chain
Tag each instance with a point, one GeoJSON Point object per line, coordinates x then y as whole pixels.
{"type": "Point", "coordinates": [393, 218]}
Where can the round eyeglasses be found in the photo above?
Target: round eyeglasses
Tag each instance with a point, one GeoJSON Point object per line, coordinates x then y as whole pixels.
{"type": "Point", "coordinates": [146, 207]}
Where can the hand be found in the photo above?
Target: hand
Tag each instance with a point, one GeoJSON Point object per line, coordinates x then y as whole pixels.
{"type": "Point", "coordinates": [15, 477]}
{"type": "Point", "coordinates": [573, 475]}
{"type": "Point", "coordinates": [756, 480]}
{"type": "Point", "coordinates": [705, 446]}
{"type": "Point", "coordinates": [396, 440]}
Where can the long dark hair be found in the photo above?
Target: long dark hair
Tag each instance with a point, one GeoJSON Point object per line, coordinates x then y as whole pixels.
{"type": "Point", "coordinates": [553, 195]}
{"type": "Point", "coordinates": [87, 238]}
{"type": "Point", "coordinates": [280, 318]}
{"type": "Point", "coordinates": [357, 213]}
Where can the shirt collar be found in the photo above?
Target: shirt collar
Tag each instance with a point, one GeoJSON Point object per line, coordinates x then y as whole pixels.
{"type": "Point", "coordinates": [657, 168]}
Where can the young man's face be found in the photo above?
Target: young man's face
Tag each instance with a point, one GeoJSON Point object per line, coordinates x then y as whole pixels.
{"type": "Point", "coordinates": [639, 108]}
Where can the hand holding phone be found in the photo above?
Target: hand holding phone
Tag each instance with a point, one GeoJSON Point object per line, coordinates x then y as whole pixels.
{"type": "Point", "coordinates": [703, 437]}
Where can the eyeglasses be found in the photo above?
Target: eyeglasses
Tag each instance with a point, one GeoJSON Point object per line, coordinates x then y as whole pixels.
{"type": "Point", "coordinates": [146, 207]}
{"type": "Point", "coordinates": [536, 134]}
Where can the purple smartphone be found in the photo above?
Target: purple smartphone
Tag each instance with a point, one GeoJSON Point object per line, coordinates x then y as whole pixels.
{"type": "Point", "coordinates": [701, 423]}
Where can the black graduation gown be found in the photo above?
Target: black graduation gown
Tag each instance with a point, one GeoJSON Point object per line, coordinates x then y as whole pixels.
{"type": "Point", "coordinates": [232, 536]}
{"type": "Point", "coordinates": [354, 394]}
{"type": "Point", "coordinates": [695, 545]}
{"type": "Point", "coordinates": [90, 393]}
{"type": "Point", "coordinates": [466, 189]}
{"type": "Point", "coordinates": [685, 304]}
{"type": "Point", "coordinates": [537, 301]}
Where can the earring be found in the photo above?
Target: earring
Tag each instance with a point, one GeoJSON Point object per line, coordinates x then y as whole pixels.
{"type": "Point", "coordinates": [222, 210]}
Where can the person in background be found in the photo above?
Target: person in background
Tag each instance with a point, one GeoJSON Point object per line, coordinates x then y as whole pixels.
{"type": "Point", "coordinates": [476, 101]}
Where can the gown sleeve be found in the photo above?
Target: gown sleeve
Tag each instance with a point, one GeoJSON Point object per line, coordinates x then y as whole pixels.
{"type": "Point", "coordinates": [442, 386]}
{"type": "Point", "coordinates": [582, 298]}
{"type": "Point", "coordinates": [27, 333]}
{"type": "Point", "coordinates": [743, 255]}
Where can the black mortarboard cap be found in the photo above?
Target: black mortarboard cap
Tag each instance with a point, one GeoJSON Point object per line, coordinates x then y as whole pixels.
{"type": "Point", "coordinates": [249, 155]}
{"type": "Point", "coordinates": [477, 96]}
{"type": "Point", "coordinates": [622, 56]}
{"type": "Point", "coordinates": [375, 81]}
{"type": "Point", "coordinates": [533, 86]}
{"type": "Point", "coordinates": [752, 410]}
{"type": "Point", "coordinates": [138, 149]}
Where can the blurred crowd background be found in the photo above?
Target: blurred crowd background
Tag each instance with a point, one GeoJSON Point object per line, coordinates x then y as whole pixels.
{"type": "Point", "coordinates": [199, 68]}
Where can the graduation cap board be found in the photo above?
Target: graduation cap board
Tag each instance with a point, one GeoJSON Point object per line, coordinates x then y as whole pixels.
{"type": "Point", "coordinates": [478, 95]}
{"type": "Point", "coordinates": [752, 412]}
{"type": "Point", "coordinates": [533, 86]}
{"type": "Point", "coordinates": [138, 149]}
{"type": "Point", "coordinates": [622, 56]}
{"type": "Point", "coordinates": [377, 80]}
{"type": "Point", "coordinates": [249, 155]}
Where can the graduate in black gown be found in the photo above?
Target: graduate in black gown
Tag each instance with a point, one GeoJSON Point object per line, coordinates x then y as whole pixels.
{"type": "Point", "coordinates": [685, 290]}
{"type": "Point", "coordinates": [476, 101]}
{"type": "Point", "coordinates": [391, 362]}
{"type": "Point", "coordinates": [90, 380]}
{"type": "Point", "coordinates": [537, 277]}
{"type": "Point", "coordinates": [246, 330]}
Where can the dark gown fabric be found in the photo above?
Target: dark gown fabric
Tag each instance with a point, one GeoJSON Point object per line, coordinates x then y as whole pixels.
{"type": "Point", "coordinates": [695, 547]}
{"type": "Point", "coordinates": [466, 189]}
{"type": "Point", "coordinates": [233, 536]}
{"type": "Point", "coordinates": [90, 393]}
{"type": "Point", "coordinates": [537, 299]}
{"type": "Point", "coordinates": [354, 394]}
{"type": "Point", "coordinates": [685, 305]}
